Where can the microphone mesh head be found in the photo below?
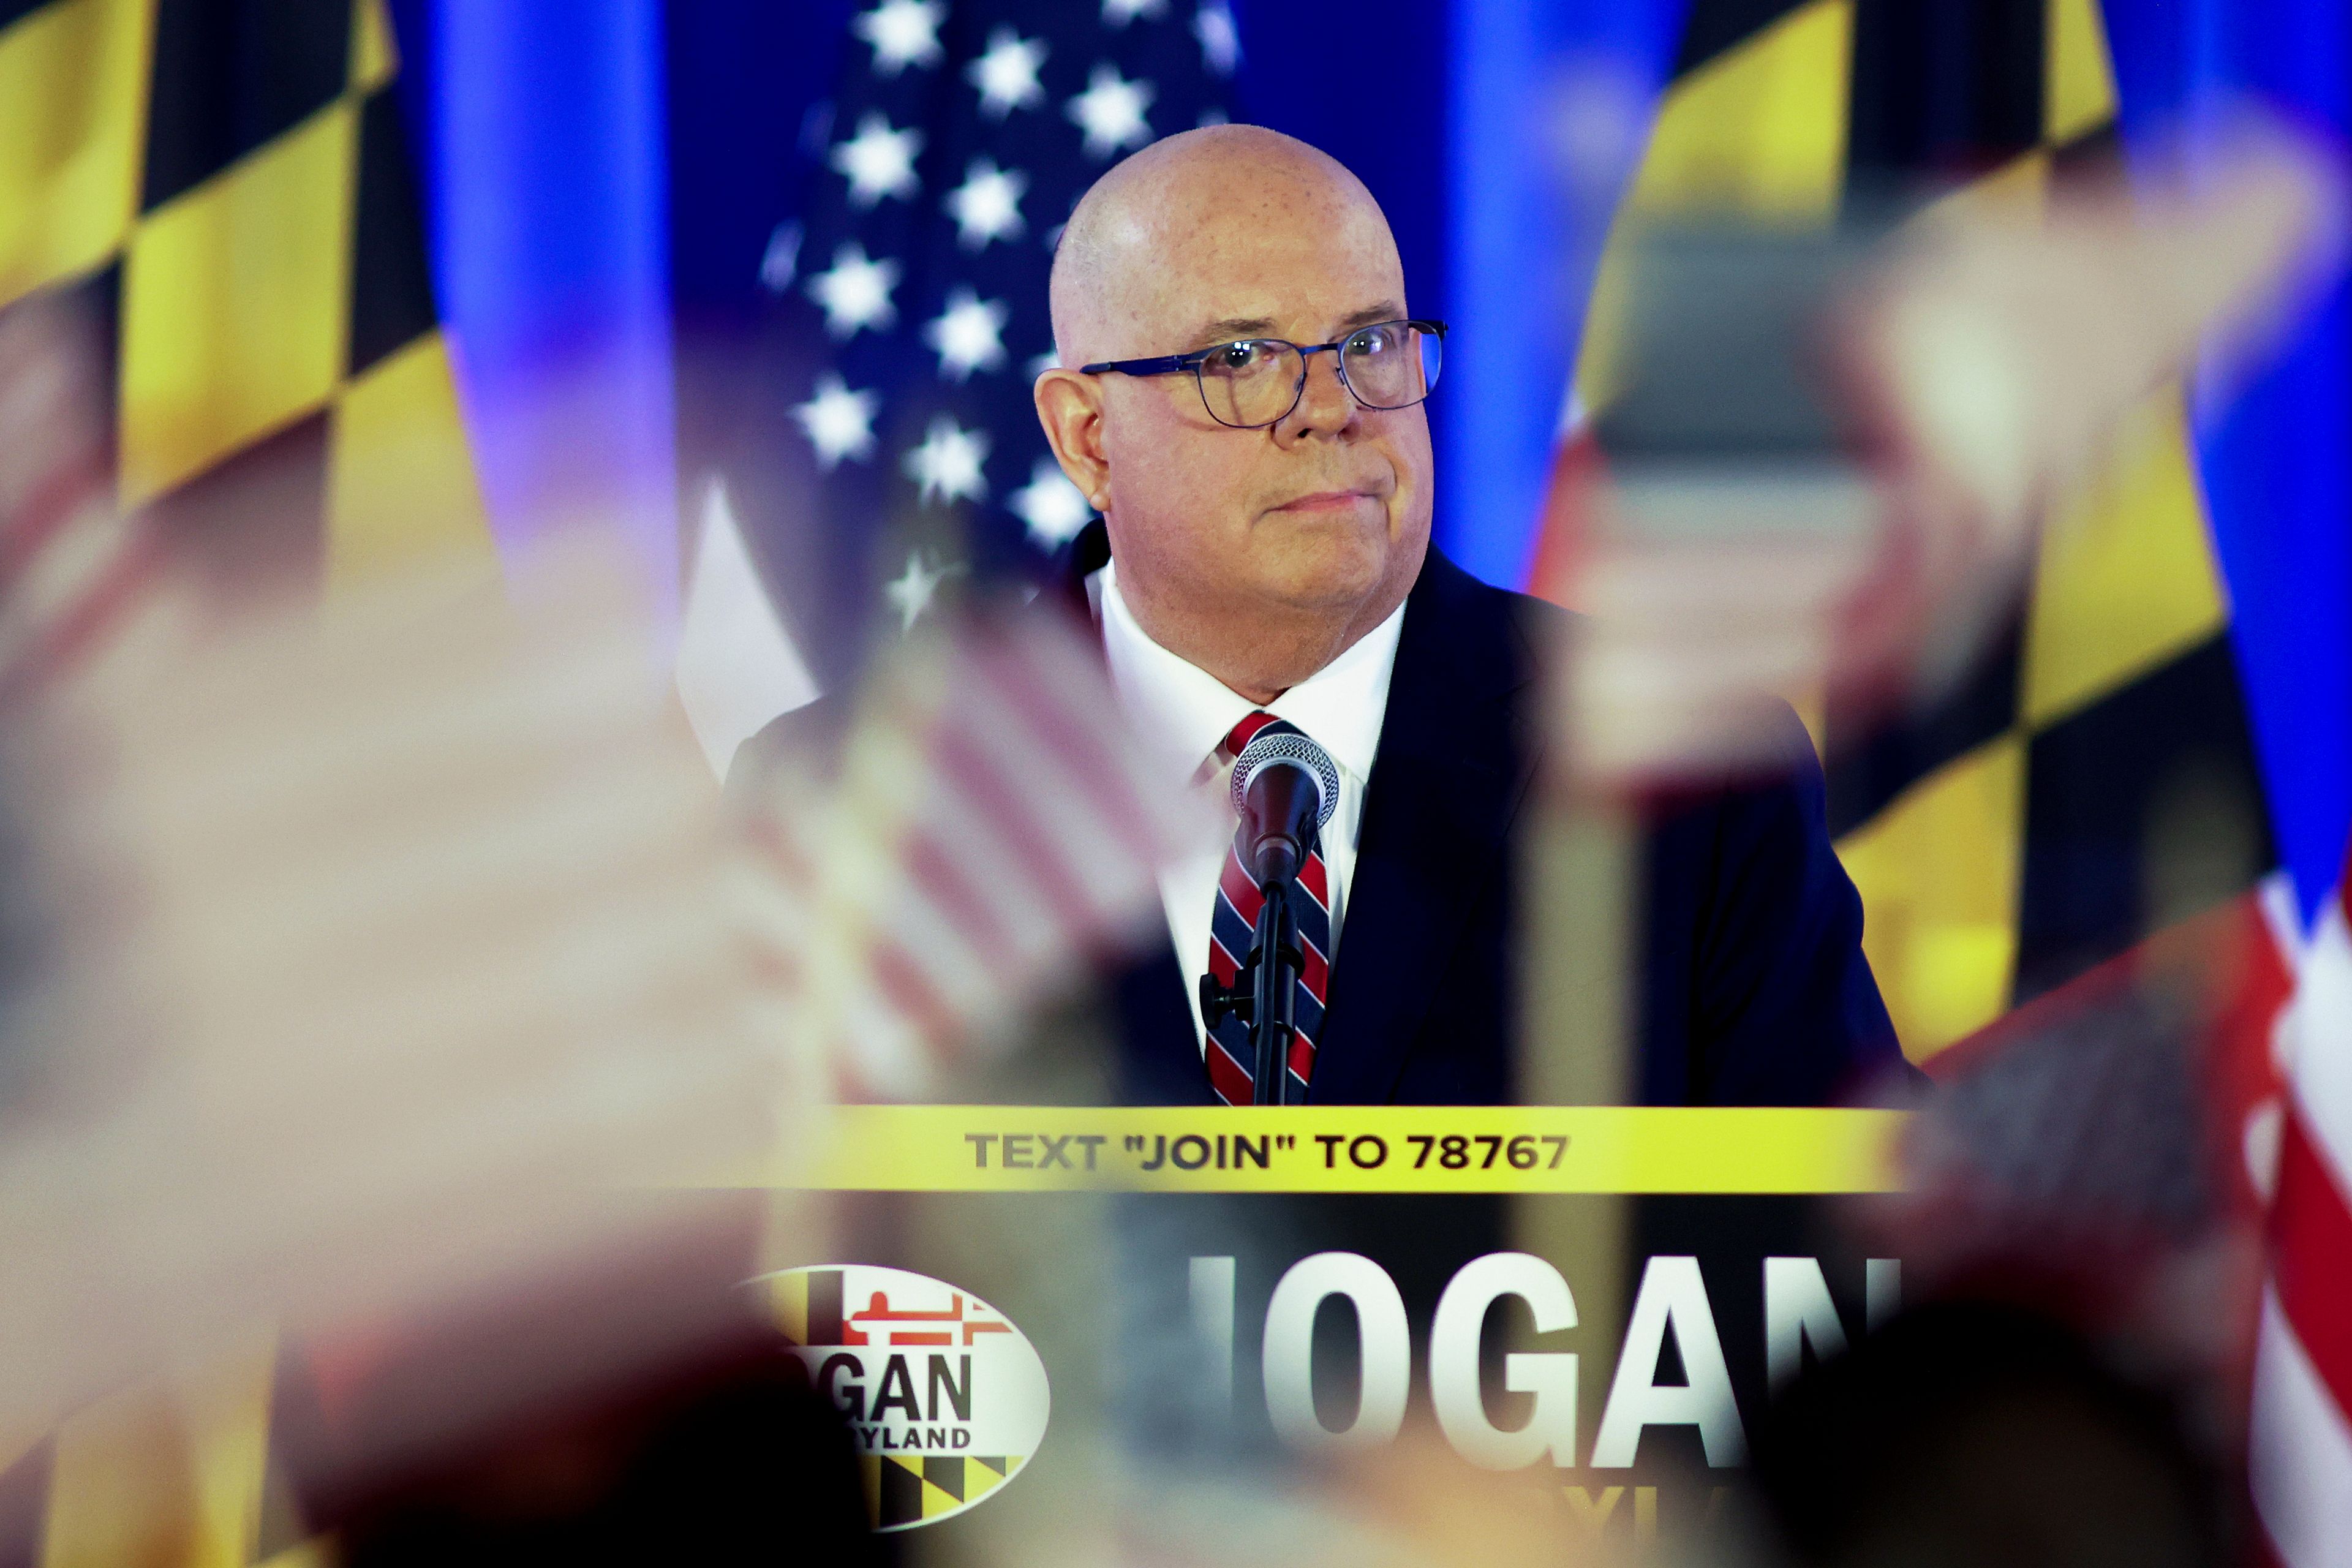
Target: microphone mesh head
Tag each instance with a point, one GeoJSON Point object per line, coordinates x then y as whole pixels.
{"type": "Point", "coordinates": [1286, 747]}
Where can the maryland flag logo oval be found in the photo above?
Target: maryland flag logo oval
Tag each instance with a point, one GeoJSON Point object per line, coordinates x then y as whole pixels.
{"type": "Point", "coordinates": [945, 1398]}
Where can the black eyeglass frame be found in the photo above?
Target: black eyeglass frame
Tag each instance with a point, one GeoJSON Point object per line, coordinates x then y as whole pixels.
{"type": "Point", "coordinates": [1174, 364]}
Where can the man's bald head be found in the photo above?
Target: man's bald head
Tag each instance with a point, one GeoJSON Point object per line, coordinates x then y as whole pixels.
{"type": "Point", "coordinates": [1259, 552]}
{"type": "Point", "coordinates": [1187, 196]}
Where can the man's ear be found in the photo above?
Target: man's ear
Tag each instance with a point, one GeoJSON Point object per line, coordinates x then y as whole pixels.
{"type": "Point", "coordinates": [1069, 405]}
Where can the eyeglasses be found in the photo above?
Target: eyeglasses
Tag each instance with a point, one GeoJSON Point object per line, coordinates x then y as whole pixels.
{"type": "Point", "coordinates": [1256, 382]}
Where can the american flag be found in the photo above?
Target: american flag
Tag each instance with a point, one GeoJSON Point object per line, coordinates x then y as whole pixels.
{"type": "Point", "coordinates": [2302, 1444]}
{"type": "Point", "coordinates": [979, 837]}
{"type": "Point", "coordinates": [911, 289]}
{"type": "Point", "coordinates": [982, 827]}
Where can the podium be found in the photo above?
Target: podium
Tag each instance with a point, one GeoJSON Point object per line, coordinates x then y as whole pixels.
{"type": "Point", "coordinates": [1228, 1291]}
{"type": "Point", "coordinates": [1035, 1315]}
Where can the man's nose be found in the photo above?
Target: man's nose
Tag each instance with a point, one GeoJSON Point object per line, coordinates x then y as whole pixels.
{"type": "Point", "coordinates": [1326, 406]}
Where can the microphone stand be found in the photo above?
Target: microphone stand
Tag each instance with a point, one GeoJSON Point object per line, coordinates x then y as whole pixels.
{"type": "Point", "coordinates": [1274, 960]}
{"type": "Point", "coordinates": [1265, 992]}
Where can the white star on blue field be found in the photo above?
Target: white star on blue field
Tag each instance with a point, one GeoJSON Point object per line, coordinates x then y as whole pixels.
{"type": "Point", "coordinates": [912, 272]}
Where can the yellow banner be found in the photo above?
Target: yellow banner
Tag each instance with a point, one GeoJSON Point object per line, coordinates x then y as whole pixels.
{"type": "Point", "coordinates": [1343, 1148]}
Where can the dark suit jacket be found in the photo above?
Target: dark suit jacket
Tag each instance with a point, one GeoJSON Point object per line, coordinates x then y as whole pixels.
{"type": "Point", "coordinates": [1755, 990]}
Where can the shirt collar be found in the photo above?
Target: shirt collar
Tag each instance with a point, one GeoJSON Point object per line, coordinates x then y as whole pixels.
{"type": "Point", "coordinates": [1182, 711]}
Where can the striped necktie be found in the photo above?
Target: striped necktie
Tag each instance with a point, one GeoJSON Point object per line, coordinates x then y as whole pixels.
{"type": "Point", "coordinates": [1230, 1057]}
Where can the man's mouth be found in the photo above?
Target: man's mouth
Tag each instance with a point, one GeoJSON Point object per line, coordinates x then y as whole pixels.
{"type": "Point", "coordinates": [1325, 500]}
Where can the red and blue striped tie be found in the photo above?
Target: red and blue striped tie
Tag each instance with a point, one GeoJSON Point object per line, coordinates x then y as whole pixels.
{"type": "Point", "coordinates": [1229, 1052]}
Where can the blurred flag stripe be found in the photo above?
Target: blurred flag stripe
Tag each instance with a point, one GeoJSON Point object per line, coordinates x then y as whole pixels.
{"type": "Point", "coordinates": [938, 876]}
{"type": "Point", "coordinates": [2322, 1066]}
{"type": "Point", "coordinates": [1094, 820]}
{"type": "Point", "coordinates": [2300, 1458]}
{"type": "Point", "coordinates": [912, 992]}
{"type": "Point", "coordinates": [1073, 794]}
{"type": "Point", "coordinates": [964, 756]}
{"type": "Point", "coordinates": [771, 832]}
{"type": "Point", "coordinates": [82, 582]}
{"type": "Point", "coordinates": [1066, 844]}
{"type": "Point", "coordinates": [2312, 1229]}
{"type": "Point", "coordinates": [778, 967]}
{"type": "Point", "coordinates": [876, 1051]}
{"type": "Point", "coordinates": [993, 862]}
{"type": "Point", "coordinates": [50, 503]}
{"type": "Point", "coordinates": [1074, 741]}
{"type": "Point", "coordinates": [115, 590]}
{"type": "Point", "coordinates": [941, 950]}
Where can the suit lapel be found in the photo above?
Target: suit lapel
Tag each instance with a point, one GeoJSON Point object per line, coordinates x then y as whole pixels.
{"type": "Point", "coordinates": [1446, 782]}
{"type": "Point", "coordinates": [1087, 555]}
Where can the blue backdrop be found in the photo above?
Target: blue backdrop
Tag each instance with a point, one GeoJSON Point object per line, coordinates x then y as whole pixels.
{"type": "Point", "coordinates": [603, 178]}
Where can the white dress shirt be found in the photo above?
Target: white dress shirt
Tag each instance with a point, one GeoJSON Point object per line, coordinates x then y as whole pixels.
{"type": "Point", "coordinates": [1180, 714]}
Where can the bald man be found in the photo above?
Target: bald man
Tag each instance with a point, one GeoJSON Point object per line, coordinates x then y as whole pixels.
{"type": "Point", "coordinates": [1239, 396]}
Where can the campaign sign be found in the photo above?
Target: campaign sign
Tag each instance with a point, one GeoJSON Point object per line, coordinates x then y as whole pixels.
{"type": "Point", "coordinates": [1603, 1297]}
{"type": "Point", "coordinates": [945, 1398]}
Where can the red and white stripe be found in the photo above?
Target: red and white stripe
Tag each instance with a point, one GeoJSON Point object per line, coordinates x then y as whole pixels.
{"type": "Point", "coordinates": [77, 583]}
{"type": "Point", "coordinates": [2301, 1449]}
{"type": "Point", "coordinates": [988, 832]}
{"type": "Point", "coordinates": [77, 574]}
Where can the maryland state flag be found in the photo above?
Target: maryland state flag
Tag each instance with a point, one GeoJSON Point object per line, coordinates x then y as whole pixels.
{"type": "Point", "coordinates": [2092, 780]}
{"type": "Point", "coordinates": [225, 186]}
{"type": "Point", "coordinates": [222, 187]}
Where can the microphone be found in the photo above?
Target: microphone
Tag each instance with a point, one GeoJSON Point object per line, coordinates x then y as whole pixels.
{"type": "Point", "coordinates": [1285, 787]}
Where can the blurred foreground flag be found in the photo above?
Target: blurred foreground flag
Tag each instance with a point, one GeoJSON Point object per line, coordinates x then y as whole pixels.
{"type": "Point", "coordinates": [221, 191]}
{"type": "Point", "coordinates": [974, 840]}
{"type": "Point", "coordinates": [2301, 1453]}
{"type": "Point", "coordinates": [911, 318]}
{"type": "Point", "coordinates": [2089, 779]}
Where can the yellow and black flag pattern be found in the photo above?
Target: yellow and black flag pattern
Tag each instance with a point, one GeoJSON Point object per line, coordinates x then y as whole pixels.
{"type": "Point", "coordinates": [225, 188]}
{"type": "Point", "coordinates": [225, 185]}
{"type": "Point", "coordinates": [901, 1489]}
{"type": "Point", "coordinates": [2092, 778]}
